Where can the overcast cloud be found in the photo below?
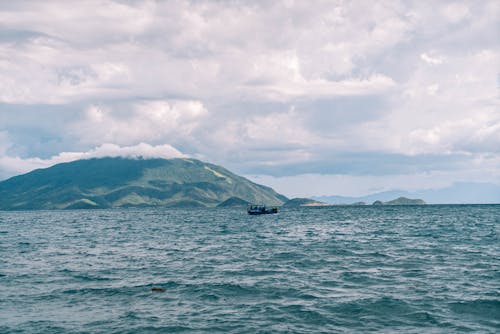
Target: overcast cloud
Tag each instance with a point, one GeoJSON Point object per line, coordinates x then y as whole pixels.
{"type": "Point", "coordinates": [311, 97]}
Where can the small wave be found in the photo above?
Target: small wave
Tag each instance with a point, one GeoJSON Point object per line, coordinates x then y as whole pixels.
{"type": "Point", "coordinates": [311, 263]}
{"type": "Point", "coordinates": [255, 273]}
{"type": "Point", "coordinates": [358, 277]}
{"type": "Point", "coordinates": [124, 290]}
{"type": "Point", "coordinates": [382, 307]}
{"type": "Point", "coordinates": [91, 278]}
{"type": "Point", "coordinates": [288, 256]}
{"type": "Point", "coordinates": [306, 315]}
{"type": "Point", "coordinates": [155, 329]}
{"type": "Point", "coordinates": [422, 317]}
{"type": "Point", "coordinates": [229, 289]}
{"type": "Point", "coordinates": [42, 326]}
{"type": "Point", "coordinates": [481, 308]}
{"type": "Point", "coordinates": [95, 291]}
{"type": "Point", "coordinates": [209, 297]}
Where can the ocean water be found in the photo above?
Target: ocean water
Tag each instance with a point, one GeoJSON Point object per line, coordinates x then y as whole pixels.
{"type": "Point", "coordinates": [416, 269]}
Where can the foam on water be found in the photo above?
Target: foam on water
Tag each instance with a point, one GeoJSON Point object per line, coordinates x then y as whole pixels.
{"type": "Point", "coordinates": [311, 270]}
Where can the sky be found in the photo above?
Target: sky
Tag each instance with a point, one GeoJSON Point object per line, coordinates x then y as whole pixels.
{"type": "Point", "coordinates": [310, 97]}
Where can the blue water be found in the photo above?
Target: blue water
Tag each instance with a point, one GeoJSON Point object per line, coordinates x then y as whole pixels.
{"type": "Point", "coordinates": [420, 269]}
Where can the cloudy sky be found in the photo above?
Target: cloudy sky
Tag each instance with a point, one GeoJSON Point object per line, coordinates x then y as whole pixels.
{"type": "Point", "coordinates": [310, 97]}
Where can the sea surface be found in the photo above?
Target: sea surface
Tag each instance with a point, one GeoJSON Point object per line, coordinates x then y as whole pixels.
{"type": "Point", "coordinates": [414, 269]}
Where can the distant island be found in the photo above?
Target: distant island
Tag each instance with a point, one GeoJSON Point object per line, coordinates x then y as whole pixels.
{"type": "Point", "coordinates": [121, 182]}
{"type": "Point", "coordinates": [404, 201]}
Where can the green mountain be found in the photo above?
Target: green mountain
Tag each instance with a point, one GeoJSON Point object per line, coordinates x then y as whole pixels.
{"type": "Point", "coordinates": [121, 182]}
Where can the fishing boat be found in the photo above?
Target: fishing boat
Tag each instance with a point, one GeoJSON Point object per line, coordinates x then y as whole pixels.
{"type": "Point", "coordinates": [261, 210]}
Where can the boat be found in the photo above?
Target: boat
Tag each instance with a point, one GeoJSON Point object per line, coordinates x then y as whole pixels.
{"type": "Point", "coordinates": [261, 210]}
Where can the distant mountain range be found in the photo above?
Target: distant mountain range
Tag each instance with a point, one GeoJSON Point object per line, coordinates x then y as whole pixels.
{"type": "Point", "coordinates": [121, 182]}
{"type": "Point", "coordinates": [308, 202]}
{"type": "Point", "coordinates": [458, 193]}
{"type": "Point", "coordinates": [300, 202]}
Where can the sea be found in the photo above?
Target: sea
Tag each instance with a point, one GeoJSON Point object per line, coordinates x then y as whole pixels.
{"type": "Point", "coordinates": [341, 269]}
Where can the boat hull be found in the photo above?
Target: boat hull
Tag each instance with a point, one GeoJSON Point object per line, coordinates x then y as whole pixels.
{"type": "Point", "coordinates": [261, 210]}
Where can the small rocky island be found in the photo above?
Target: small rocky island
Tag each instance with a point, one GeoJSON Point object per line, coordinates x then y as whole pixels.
{"type": "Point", "coordinates": [401, 201]}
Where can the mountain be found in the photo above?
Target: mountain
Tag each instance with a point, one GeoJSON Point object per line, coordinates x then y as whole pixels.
{"type": "Point", "coordinates": [401, 201]}
{"type": "Point", "coordinates": [462, 193]}
{"type": "Point", "coordinates": [381, 196]}
{"type": "Point", "coordinates": [405, 201]}
{"type": "Point", "coordinates": [457, 193]}
{"type": "Point", "coordinates": [122, 182]}
{"type": "Point", "coordinates": [298, 202]}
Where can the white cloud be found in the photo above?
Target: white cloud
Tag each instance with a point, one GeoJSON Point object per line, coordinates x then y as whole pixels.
{"type": "Point", "coordinates": [465, 135]}
{"type": "Point", "coordinates": [13, 165]}
{"type": "Point", "coordinates": [299, 87]}
{"type": "Point", "coordinates": [83, 23]}
{"type": "Point", "coordinates": [203, 50]}
{"type": "Point", "coordinates": [150, 121]}
{"type": "Point", "coordinates": [51, 72]}
{"type": "Point", "coordinates": [436, 60]}
{"type": "Point", "coordinates": [456, 12]}
{"type": "Point", "coordinates": [448, 108]}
